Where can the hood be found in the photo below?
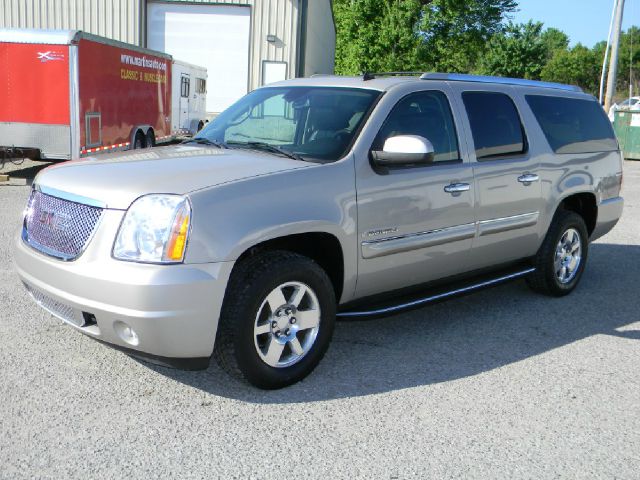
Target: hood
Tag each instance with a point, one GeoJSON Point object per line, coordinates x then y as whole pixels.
{"type": "Point", "coordinates": [118, 179]}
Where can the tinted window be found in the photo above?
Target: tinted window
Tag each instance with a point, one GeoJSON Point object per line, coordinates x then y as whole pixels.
{"type": "Point", "coordinates": [572, 125]}
{"type": "Point", "coordinates": [495, 124]}
{"type": "Point", "coordinates": [428, 115]}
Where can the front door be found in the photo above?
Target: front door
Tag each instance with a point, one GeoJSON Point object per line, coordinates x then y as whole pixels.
{"type": "Point", "coordinates": [415, 224]}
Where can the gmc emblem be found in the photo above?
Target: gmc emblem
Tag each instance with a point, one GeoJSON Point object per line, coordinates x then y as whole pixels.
{"type": "Point", "coordinates": [55, 221]}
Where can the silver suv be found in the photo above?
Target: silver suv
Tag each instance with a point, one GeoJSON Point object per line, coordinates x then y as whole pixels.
{"type": "Point", "coordinates": [319, 198]}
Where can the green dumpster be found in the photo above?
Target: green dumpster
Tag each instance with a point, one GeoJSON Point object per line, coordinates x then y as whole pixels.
{"type": "Point", "coordinates": [627, 127]}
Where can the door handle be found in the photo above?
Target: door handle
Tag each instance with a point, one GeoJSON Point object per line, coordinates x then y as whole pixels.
{"type": "Point", "coordinates": [457, 188]}
{"type": "Point", "coordinates": [528, 178]}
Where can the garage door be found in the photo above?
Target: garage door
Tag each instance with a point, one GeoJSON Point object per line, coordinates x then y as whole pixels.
{"type": "Point", "coordinates": [213, 36]}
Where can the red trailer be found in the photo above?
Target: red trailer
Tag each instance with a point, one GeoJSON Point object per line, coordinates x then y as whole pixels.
{"type": "Point", "coordinates": [69, 94]}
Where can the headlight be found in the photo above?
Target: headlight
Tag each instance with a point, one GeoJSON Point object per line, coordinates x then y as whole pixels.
{"type": "Point", "coordinates": [154, 230]}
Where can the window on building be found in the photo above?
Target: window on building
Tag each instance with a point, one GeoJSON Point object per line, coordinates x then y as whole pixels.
{"type": "Point", "coordinates": [573, 125]}
{"type": "Point", "coordinates": [495, 125]}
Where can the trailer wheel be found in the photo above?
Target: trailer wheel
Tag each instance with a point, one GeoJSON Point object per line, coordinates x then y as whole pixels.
{"type": "Point", "coordinates": [139, 141]}
{"type": "Point", "coordinates": [200, 126]}
{"type": "Point", "coordinates": [150, 139]}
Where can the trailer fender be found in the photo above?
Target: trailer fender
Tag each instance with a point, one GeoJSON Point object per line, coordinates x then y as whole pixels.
{"type": "Point", "coordinates": [141, 130]}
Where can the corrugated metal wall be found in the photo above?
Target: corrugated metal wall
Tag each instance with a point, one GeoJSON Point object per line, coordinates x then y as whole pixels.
{"type": "Point", "coordinates": [117, 19]}
{"type": "Point", "coordinates": [125, 20]}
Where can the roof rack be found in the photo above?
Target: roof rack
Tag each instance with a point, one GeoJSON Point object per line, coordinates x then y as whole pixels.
{"type": "Point", "coordinates": [461, 77]}
{"type": "Point", "coordinates": [371, 75]}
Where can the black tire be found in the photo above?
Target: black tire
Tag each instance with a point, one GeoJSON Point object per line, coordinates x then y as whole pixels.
{"type": "Point", "coordinates": [200, 126]}
{"type": "Point", "coordinates": [139, 142]}
{"type": "Point", "coordinates": [545, 278]}
{"type": "Point", "coordinates": [150, 139]}
{"type": "Point", "coordinates": [251, 282]}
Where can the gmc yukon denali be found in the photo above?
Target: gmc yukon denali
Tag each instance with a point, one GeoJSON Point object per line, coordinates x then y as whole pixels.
{"type": "Point", "coordinates": [321, 198]}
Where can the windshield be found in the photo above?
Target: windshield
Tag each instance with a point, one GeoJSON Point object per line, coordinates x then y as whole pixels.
{"type": "Point", "coordinates": [310, 123]}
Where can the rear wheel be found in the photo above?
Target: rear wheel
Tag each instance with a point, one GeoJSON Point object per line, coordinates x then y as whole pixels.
{"type": "Point", "coordinates": [277, 319]}
{"type": "Point", "coordinates": [150, 139]}
{"type": "Point", "coordinates": [562, 257]}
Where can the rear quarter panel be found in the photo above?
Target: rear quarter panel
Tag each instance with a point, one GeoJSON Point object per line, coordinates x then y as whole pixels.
{"type": "Point", "coordinates": [563, 175]}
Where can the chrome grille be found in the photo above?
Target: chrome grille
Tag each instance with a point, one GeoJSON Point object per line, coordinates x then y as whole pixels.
{"type": "Point", "coordinates": [60, 310]}
{"type": "Point", "coordinates": [59, 227]}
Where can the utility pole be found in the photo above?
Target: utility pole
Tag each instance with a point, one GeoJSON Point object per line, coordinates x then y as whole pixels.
{"type": "Point", "coordinates": [613, 65]}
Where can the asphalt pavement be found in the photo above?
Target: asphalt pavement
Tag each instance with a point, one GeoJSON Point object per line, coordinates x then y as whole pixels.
{"type": "Point", "coordinates": [503, 383]}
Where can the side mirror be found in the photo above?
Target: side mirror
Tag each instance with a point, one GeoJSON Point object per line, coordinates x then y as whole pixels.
{"type": "Point", "coordinates": [404, 150]}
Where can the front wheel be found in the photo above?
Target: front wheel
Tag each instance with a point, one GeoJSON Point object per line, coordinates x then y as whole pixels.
{"type": "Point", "coordinates": [562, 257]}
{"type": "Point", "coordinates": [277, 319]}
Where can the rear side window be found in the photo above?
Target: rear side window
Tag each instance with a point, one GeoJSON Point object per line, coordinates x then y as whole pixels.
{"type": "Point", "coordinates": [495, 124]}
{"type": "Point", "coordinates": [573, 125]}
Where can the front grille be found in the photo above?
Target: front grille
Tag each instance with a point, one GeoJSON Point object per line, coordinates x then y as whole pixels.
{"type": "Point", "coordinates": [59, 227]}
{"type": "Point", "coordinates": [60, 310]}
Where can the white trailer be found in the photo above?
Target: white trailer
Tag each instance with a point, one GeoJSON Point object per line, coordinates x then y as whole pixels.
{"type": "Point", "coordinates": [189, 101]}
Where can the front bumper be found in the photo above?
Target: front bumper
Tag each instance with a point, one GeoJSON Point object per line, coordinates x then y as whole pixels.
{"type": "Point", "coordinates": [609, 212]}
{"type": "Point", "coordinates": [168, 313]}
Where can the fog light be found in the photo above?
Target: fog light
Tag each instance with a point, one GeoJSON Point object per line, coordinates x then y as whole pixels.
{"type": "Point", "coordinates": [126, 333]}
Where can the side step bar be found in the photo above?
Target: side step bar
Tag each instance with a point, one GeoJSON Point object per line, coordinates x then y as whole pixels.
{"type": "Point", "coordinates": [433, 298]}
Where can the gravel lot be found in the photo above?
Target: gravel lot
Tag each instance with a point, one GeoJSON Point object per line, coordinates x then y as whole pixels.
{"type": "Point", "coordinates": [499, 384]}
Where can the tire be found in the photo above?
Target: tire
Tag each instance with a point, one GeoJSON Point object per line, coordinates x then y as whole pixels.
{"type": "Point", "coordinates": [566, 245]}
{"type": "Point", "coordinates": [200, 126]}
{"type": "Point", "coordinates": [259, 338]}
{"type": "Point", "coordinates": [150, 139]}
{"type": "Point", "coordinates": [139, 142]}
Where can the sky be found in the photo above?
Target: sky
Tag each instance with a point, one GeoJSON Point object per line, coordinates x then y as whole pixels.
{"type": "Point", "coordinates": [585, 21]}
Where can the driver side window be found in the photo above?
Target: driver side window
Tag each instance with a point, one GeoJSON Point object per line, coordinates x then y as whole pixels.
{"type": "Point", "coordinates": [426, 114]}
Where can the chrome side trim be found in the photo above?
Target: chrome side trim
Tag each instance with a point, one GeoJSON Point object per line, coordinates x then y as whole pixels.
{"type": "Point", "coordinates": [72, 197]}
{"type": "Point", "coordinates": [503, 224]}
{"type": "Point", "coordinates": [433, 298]}
{"type": "Point", "coordinates": [413, 241]}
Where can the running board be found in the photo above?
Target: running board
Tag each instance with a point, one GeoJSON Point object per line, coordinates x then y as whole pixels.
{"type": "Point", "coordinates": [433, 298]}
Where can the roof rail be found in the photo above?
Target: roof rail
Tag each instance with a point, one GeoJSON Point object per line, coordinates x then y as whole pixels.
{"type": "Point", "coordinates": [461, 77]}
{"type": "Point", "coordinates": [371, 75]}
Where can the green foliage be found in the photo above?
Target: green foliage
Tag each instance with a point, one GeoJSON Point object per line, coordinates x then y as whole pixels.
{"type": "Point", "coordinates": [469, 36]}
{"type": "Point", "coordinates": [376, 35]}
{"type": "Point", "coordinates": [455, 32]}
{"type": "Point", "coordinates": [554, 40]}
{"type": "Point", "coordinates": [577, 66]}
{"type": "Point", "coordinates": [389, 35]}
{"type": "Point", "coordinates": [519, 51]}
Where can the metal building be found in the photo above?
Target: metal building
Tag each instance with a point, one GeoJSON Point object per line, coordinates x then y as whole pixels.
{"type": "Point", "coordinates": [243, 43]}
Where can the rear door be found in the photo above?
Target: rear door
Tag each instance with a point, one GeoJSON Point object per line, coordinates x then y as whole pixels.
{"type": "Point", "coordinates": [185, 91]}
{"type": "Point", "coordinates": [412, 226]}
{"type": "Point", "coordinates": [506, 176]}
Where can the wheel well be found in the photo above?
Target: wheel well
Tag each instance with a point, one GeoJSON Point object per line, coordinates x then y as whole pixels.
{"type": "Point", "coordinates": [584, 204]}
{"type": "Point", "coordinates": [321, 247]}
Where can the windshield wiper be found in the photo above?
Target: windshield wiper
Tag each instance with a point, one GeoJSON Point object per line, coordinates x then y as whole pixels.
{"type": "Point", "coordinates": [267, 147]}
{"type": "Point", "coordinates": [205, 141]}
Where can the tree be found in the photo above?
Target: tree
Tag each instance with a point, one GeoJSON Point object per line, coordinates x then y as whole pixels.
{"type": "Point", "coordinates": [455, 32]}
{"type": "Point", "coordinates": [577, 66]}
{"type": "Point", "coordinates": [554, 40]}
{"type": "Point", "coordinates": [518, 52]}
{"type": "Point", "coordinates": [376, 35]}
{"type": "Point", "coordinates": [388, 35]}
